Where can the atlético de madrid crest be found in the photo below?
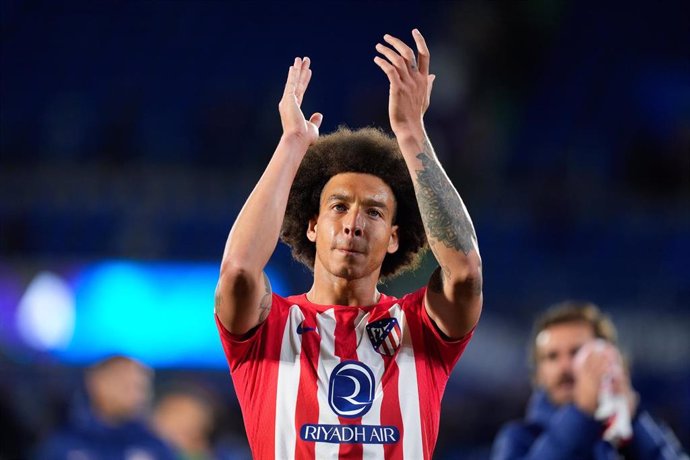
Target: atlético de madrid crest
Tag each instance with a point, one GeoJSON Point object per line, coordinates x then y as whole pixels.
{"type": "Point", "coordinates": [385, 335]}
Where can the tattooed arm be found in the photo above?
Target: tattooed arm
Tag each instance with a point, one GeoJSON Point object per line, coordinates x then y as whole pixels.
{"type": "Point", "coordinates": [243, 293]}
{"type": "Point", "coordinates": [454, 294]}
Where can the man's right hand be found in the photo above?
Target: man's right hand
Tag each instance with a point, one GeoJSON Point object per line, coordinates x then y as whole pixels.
{"type": "Point", "coordinates": [589, 371]}
{"type": "Point", "coordinates": [295, 125]}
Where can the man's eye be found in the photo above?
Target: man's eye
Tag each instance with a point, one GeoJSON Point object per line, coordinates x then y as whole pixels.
{"type": "Point", "coordinates": [375, 213]}
{"type": "Point", "coordinates": [339, 207]}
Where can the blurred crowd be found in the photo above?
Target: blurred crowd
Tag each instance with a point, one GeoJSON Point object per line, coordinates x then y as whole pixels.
{"type": "Point", "coordinates": [116, 408]}
{"type": "Point", "coordinates": [130, 132]}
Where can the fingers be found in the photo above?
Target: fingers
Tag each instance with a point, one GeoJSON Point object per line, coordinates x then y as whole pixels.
{"type": "Point", "coordinates": [422, 51]}
{"type": "Point", "coordinates": [431, 79]}
{"type": "Point", "coordinates": [291, 84]}
{"type": "Point", "coordinates": [596, 364]}
{"type": "Point", "coordinates": [304, 78]}
{"type": "Point", "coordinates": [404, 50]}
{"type": "Point", "coordinates": [316, 118]}
{"type": "Point", "coordinates": [591, 361]}
{"type": "Point", "coordinates": [388, 69]}
{"type": "Point", "coordinates": [599, 367]}
{"type": "Point", "coordinates": [401, 58]}
{"type": "Point", "coordinates": [299, 75]}
{"type": "Point", "coordinates": [399, 62]}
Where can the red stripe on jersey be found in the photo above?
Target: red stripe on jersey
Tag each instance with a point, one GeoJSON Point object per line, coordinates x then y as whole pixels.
{"type": "Point", "coordinates": [395, 334]}
{"type": "Point", "coordinates": [389, 347]}
{"type": "Point", "coordinates": [390, 406]}
{"type": "Point", "coordinates": [307, 399]}
{"type": "Point", "coordinates": [429, 424]}
{"type": "Point", "coordinates": [258, 375]}
{"type": "Point", "coordinates": [346, 349]}
{"type": "Point", "coordinates": [430, 347]}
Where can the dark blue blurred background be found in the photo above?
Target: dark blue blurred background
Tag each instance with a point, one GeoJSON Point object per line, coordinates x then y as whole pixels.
{"type": "Point", "coordinates": [135, 130]}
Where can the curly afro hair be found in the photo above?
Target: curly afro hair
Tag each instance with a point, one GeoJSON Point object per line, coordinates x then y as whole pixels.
{"type": "Point", "coordinates": [368, 151]}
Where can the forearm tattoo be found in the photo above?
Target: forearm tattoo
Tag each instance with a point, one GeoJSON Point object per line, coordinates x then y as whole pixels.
{"type": "Point", "coordinates": [443, 213]}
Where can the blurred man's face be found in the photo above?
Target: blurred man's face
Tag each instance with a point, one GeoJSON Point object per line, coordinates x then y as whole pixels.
{"type": "Point", "coordinates": [556, 347]}
{"type": "Point", "coordinates": [121, 390]}
{"type": "Point", "coordinates": [184, 421]}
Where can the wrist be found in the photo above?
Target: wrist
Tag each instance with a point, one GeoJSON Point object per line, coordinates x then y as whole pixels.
{"type": "Point", "coordinates": [410, 132]}
{"type": "Point", "coordinates": [587, 405]}
{"type": "Point", "coordinates": [412, 140]}
{"type": "Point", "coordinates": [295, 141]}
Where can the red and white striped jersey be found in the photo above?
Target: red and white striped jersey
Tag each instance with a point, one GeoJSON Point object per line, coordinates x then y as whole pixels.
{"type": "Point", "coordinates": [330, 381]}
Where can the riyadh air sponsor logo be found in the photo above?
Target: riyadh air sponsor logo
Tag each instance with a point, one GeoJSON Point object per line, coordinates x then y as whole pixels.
{"type": "Point", "coordinates": [351, 389]}
{"type": "Point", "coordinates": [385, 335]}
{"type": "Point", "coordinates": [301, 328]}
{"type": "Point", "coordinates": [350, 434]}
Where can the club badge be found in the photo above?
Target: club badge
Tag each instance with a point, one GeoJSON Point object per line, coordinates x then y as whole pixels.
{"type": "Point", "coordinates": [385, 336]}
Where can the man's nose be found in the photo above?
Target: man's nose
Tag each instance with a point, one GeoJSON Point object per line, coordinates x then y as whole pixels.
{"type": "Point", "coordinates": [353, 225]}
{"type": "Point", "coordinates": [566, 362]}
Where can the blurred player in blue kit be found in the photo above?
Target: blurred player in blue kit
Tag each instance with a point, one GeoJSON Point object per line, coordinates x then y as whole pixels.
{"type": "Point", "coordinates": [583, 406]}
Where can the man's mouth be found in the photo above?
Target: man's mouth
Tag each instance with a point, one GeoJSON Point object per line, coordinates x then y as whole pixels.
{"type": "Point", "coordinates": [349, 251]}
{"type": "Point", "coordinates": [566, 382]}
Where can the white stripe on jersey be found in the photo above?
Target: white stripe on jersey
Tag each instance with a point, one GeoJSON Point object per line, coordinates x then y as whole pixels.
{"type": "Point", "coordinates": [367, 354]}
{"type": "Point", "coordinates": [325, 324]}
{"type": "Point", "coordinates": [408, 392]}
{"type": "Point", "coordinates": [286, 396]}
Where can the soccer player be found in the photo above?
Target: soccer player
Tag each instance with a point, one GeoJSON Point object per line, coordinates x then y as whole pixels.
{"type": "Point", "coordinates": [563, 420]}
{"type": "Point", "coordinates": [345, 371]}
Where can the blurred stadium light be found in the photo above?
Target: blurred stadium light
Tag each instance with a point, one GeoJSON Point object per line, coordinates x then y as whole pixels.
{"type": "Point", "coordinates": [159, 313]}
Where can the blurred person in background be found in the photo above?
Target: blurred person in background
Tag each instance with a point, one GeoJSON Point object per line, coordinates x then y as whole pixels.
{"type": "Point", "coordinates": [345, 371]}
{"type": "Point", "coordinates": [110, 423]}
{"type": "Point", "coordinates": [185, 420]}
{"type": "Point", "coordinates": [583, 406]}
{"type": "Point", "coordinates": [185, 417]}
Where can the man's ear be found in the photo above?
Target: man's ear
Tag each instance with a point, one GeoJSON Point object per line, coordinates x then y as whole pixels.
{"type": "Point", "coordinates": [311, 229]}
{"type": "Point", "coordinates": [393, 243]}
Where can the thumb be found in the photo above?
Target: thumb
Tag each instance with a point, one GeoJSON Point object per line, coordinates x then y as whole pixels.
{"type": "Point", "coordinates": [316, 118]}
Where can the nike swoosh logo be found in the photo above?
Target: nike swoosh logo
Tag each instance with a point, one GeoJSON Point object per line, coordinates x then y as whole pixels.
{"type": "Point", "coordinates": [301, 329]}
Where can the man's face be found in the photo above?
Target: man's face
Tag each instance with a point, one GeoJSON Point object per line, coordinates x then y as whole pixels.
{"type": "Point", "coordinates": [184, 420]}
{"type": "Point", "coordinates": [353, 231]}
{"type": "Point", "coordinates": [121, 390]}
{"type": "Point", "coordinates": [556, 347]}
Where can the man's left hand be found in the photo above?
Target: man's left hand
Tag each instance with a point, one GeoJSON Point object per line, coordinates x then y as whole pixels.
{"type": "Point", "coordinates": [410, 82]}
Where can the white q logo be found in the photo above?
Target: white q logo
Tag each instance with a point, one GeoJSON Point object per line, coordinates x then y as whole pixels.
{"type": "Point", "coordinates": [351, 389]}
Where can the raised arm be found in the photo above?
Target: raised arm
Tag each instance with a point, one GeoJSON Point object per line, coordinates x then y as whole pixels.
{"type": "Point", "coordinates": [243, 293]}
{"type": "Point", "coordinates": [454, 294]}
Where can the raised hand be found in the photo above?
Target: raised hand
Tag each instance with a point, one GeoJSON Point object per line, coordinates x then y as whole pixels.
{"type": "Point", "coordinates": [594, 361]}
{"type": "Point", "coordinates": [410, 81]}
{"type": "Point", "coordinates": [291, 116]}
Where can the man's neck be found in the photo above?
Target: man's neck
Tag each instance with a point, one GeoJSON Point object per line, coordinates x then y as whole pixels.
{"type": "Point", "coordinates": [332, 290]}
